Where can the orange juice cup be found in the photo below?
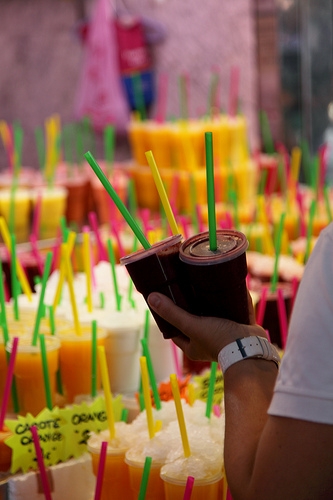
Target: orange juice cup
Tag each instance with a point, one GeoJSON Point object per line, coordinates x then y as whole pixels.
{"type": "Point", "coordinates": [159, 142]}
{"type": "Point", "coordinates": [155, 487]}
{"type": "Point", "coordinates": [75, 360]}
{"type": "Point", "coordinates": [28, 372]}
{"type": "Point", "coordinates": [5, 450]}
{"type": "Point", "coordinates": [116, 481]}
{"type": "Point", "coordinates": [203, 489]}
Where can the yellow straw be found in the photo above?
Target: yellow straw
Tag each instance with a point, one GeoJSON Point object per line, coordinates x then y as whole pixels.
{"type": "Point", "coordinates": [87, 268]}
{"type": "Point", "coordinates": [69, 276]}
{"type": "Point", "coordinates": [180, 414]}
{"type": "Point", "coordinates": [296, 154]}
{"type": "Point", "coordinates": [21, 275]}
{"type": "Point", "coordinates": [161, 191]}
{"type": "Point", "coordinates": [107, 389]}
{"type": "Point", "coordinates": [146, 396]}
{"type": "Point", "coordinates": [62, 272]}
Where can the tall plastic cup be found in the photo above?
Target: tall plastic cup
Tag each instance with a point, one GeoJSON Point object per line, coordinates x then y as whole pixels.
{"type": "Point", "coordinates": [28, 372]}
{"type": "Point", "coordinates": [75, 360]}
{"type": "Point", "coordinates": [159, 269]}
{"type": "Point", "coordinates": [217, 278]}
{"type": "Point", "coordinates": [155, 487]}
{"type": "Point", "coordinates": [123, 350]}
{"type": "Point", "coordinates": [53, 207]}
{"type": "Point", "coordinates": [116, 481]}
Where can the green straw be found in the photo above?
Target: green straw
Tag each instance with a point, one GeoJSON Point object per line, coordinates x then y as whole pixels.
{"type": "Point", "coordinates": [124, 415]}
{"type": "Point", "coordinates": [109, 137]}
{"type": "Point", "coordinates": [132, 201]}
{"type": "Point", "coordinates": [114, 274]}
{"type": "Point", "coordinates": [145, 478]}
{"type": "Point", "coordinates": [139, 100]}
{"type": "Point", "coordinates": [14, 280]}
{"type": "Point", "coordinates": [4, 323]}
{"type": "Point", "coordinates": [210, 397]}
{"type": "Point", "coordinates": [53, 331]}
{"type": "Point", "coordinates": [212, 93]}
{"type": "Point", "coordinates": [183, 98]}
{"type": "Point", "coordinates": [266, 133]}
{"type": "Point", "coordinates": [275, 275]}
{"type": "Point", "coordinates": [306, 162]}
{"type": "Point", "coordinates": [121, 207]}
{"type": "Point", "coordinates": [40, 310]}
{"type": "Point", "coordinates": [46, 374]}
{"type": "Point", "coordinates": [146, 337]}
{"type": "Point", "coordinates": [313, 207]}
{"type": "Point", "coordinates": [5, 334]}
{"type": "Point", "coordinates": [152, 377]}
{"type": "Point", "coordinates": [79, 143]}
{"type": "Point", "coordinates": [210, 191]}
{"type": "Point", "coordinates": [94, 358]}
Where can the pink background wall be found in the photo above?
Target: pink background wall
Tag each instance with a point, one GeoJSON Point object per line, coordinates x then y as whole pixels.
{"type": "Point", "coordinates": [40, 57]}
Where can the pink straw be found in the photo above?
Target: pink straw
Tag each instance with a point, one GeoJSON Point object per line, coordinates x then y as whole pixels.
{"type": "Point", "coordinates": [217, 410]}
{"type": "Point", "coordinates": [188, 488]}
{"type": "Point", "coordinates": [229, 497]}
{"type": "Point", "coordinates": [86, 229]}
{"type": "Point", "coordinates": [41, 465]}
{"type": "Point", "coordinates": [116, 234]}
{"type": "Point", "coordinates": [262, 305]}
{"type": "Point", "coordinates": [8, 382]}
{"type": "Point", "coordinates": [233, 91]}
{"type": "Point", "coordinates": [100, 472]}
{"type": "Point", "coordinates": [282, 317]}
{"type": "Point", "coordinates": [56, 251]}
{"type": "Point", "coordinates": [176, 360]}
{"type": "Point", "coordinates": [35, 252]}
{"type": "Point", "coordinates": [94, 225]}
{"type": "Point", "coordinates": [162, 92]}
{"type": "Point", "coordinates": [36, 217]}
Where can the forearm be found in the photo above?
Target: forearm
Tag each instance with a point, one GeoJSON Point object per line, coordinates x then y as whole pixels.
{"type": "Point", "coordinates": [248, 389]}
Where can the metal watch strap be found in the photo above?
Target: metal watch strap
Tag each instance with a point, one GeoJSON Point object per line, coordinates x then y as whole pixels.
{"type": "Point", "coordinates": [245, 348]}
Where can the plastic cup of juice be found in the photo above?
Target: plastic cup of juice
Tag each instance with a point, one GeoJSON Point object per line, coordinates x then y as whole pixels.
{"type": "Point", "coordinates": [217, 277]}
{"type": "Point", "coordinates": [116, 481]}
{"type": "Point", "coordinates": [28, 372]}
{"type": "Point", "coordinates": [53, 208]}
{"type": "Point", "coordinates": [159, 269]}
{"type": "Point", "coordinates": [75, 360]}
{"type": "Point", "coordinates": [123, 350]}
{"type": "Point", "coordinates": [22, 211]}
{"type": "Point", "coordinates": [135, 459]}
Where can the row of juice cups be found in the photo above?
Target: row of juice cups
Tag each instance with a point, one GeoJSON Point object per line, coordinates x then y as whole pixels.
{"type": "Point", "coordinates": [126, 456]}
{"type": "Point", "coordinates": [71, 353]}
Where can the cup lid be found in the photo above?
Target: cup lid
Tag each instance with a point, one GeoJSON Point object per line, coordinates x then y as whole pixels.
{"type": "Point", "coordinates": [230, 245]}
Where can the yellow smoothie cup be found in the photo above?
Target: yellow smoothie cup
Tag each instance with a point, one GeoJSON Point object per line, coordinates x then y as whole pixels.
{"type": "Point", "coordinates": [22, 211]}
{"type": "Point", "coordinates": [53, 208]}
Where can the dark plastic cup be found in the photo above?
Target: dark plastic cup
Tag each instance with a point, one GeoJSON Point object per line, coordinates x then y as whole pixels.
{"type": "Point", "coordinates": [158, 269]}
{"type": "Point", "coordinates": [217, 278]}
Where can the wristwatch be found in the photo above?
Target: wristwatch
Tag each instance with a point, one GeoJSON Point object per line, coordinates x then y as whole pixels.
{"type": "Point", "coordinates": [245, 348]}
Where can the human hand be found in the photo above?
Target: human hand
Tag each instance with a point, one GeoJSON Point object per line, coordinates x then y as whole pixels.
{"type": "Point", "coordinates": [203, 337]}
